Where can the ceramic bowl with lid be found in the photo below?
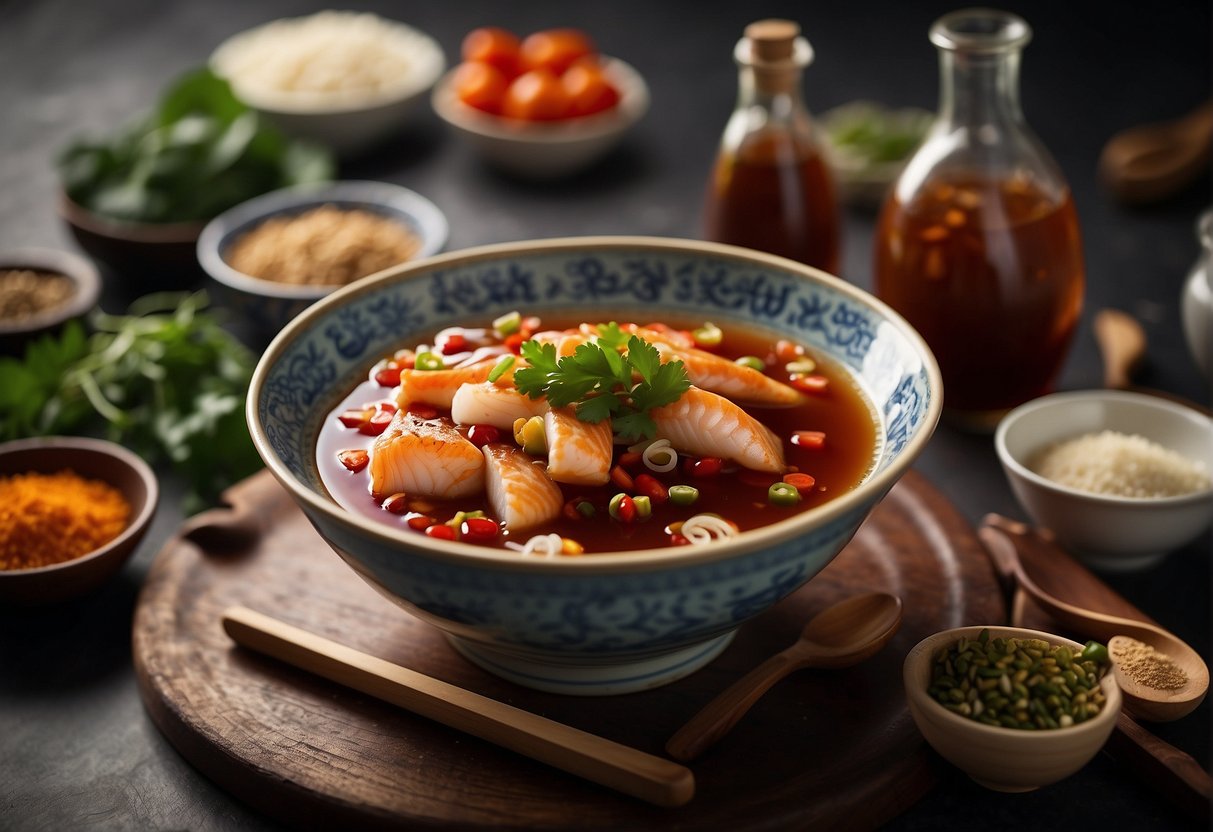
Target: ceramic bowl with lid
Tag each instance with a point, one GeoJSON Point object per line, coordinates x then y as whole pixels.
{"type": "Point", "coordinates": [610, 622]}
{"type": "Point", "coordinates": [1003, 759]}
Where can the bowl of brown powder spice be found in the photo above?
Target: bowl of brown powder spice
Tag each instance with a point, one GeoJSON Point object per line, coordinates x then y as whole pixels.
{"type": "Point", "coordinates": [275, 255]}
{"type": "Point", "coordinates": [72, 510]}
{"type": "Point", "coordinates": [40, 290]}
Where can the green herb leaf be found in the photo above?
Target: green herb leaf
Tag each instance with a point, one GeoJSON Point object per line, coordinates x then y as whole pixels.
{"type": "Point", "coordinates": [611, 336]}
{"type": "Point", "coordinates": [602, 381]}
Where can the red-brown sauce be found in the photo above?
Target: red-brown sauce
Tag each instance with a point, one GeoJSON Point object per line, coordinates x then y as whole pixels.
{"type": "Point", "coordinates": [991, 273]}
{"type": "Point", "coordinates": [841, 412]}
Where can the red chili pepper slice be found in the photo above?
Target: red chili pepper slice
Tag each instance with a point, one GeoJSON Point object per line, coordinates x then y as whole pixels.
{"type": "Point", "coordinates": [801, 482]}
{"type": "Point", "coordinates": [479, 530]}
{"type": "Point", "coordinates": [708, 466]}
{"type": "Point", "coordinates": [514, 343]}
{"type": "Point", "coordinates": [388, 375]}
{"type": "Point", "coordinates": [420, 522]}
{"type": "Point", "coordinates": [354, 460]}
{"type": "Point", "coordinates": [813, 440]}
{"type": "Point", "coordinates": [455, 342]}
{"type": "Point", "coordinates": [441, 531]}
{"type": "Point", "coordinates": [398, 503]}
{"type": "Point", "coordinates": [627, 510]}
{"type": "Point", "coordinates": [811, 383]}
{"type": "Point", "coordinates": [622, 478]}
{"type": "Point", "coordinates": [480, 435]}
{"type": "Point", "coordinates": [377, 424]}
{"type": "Point", "coordinates": [651, 487]}
{"type": "Point", "coordinates": [679, 540]}
{"type": "Point", "coordinates": [354, 418]}
{"type": "Point", "coordinates": [631, 460]}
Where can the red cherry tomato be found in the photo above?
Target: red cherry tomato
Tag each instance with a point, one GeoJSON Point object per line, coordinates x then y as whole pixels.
{"type": "Point", "coordinates": [354, 460]}
{"type": "Point", "coordinates": [441, 531]}
{"type": "Point", "coordinates": [480, 85]}
{"type": "Point", "coordinates": [536, 96]}
{"type": "Point", "coordinates": [494, 46]}
{"type": "Point", "coordinates": [555, 49]}
{"type": "Point", "coordinates": [588, 89]}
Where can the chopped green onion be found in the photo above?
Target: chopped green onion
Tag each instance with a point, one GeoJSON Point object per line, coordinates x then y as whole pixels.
{"type": "Point", "coordinates": [644, 506]}
{"type": "Point", "coordinates": [508, 324]}
{"type": "Point", "coordinates": [586, 509]}
{"type": "Point", "coordinates": [753, 362]}
{"type": "Point", "coordinates": [801, 366]}
{"type": "Point", "coordinates": [708, 335]}
{"type": "Point", "coordinates": [783, 494]}
{"type": "Point", "coordinates": [429, 361]}
{"type": "Point", "coordinates": [501, 367]}
{"type": "Point", "coordinates": [683, 495]}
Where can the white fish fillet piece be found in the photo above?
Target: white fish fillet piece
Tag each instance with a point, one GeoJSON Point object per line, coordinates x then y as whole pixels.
{"type": "Point", "coordinates": [438, 387]}
{"type": "Point", "coordinates": [728, 378]}
{"type": "Point", "coordinates": [579, 453]}
{"type": "Point", "coordinates": [489, 403]}
{"type": "Point", "coordinates": [706, 424]}
{"type": "Point", "coordinates": [520, 492]}
{"type": "Point", "coordinates": [425, 456]}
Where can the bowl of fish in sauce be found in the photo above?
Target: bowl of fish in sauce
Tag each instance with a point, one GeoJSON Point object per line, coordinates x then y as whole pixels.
{"type": "Point", "coordinates": [592, 502]}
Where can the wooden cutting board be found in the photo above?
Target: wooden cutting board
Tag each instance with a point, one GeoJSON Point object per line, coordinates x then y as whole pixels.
{"type": "Point", "coordinates": [823, 749]}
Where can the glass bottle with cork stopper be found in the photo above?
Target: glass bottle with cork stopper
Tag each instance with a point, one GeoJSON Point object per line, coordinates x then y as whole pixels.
{"type": "Point", "coordinates": [978, 242]}
{"type": "Point", "coordinates": [770, 188]}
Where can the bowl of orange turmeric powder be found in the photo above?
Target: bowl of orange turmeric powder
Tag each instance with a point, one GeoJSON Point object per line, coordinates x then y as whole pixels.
{"type": "Point", "coordinates": [72, 510]}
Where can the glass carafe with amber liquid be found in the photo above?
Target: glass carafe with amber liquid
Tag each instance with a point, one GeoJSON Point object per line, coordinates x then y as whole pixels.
{"type": "Point", "coordinates": [978, 242]}
{"type": "Point", "coordinates": [770, 188]}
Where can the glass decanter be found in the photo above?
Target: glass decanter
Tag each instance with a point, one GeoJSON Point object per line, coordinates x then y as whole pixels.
{"type": "Point", "coordinates": [978, 241]}
{"type": "Point", "coordinates": [770, 188]}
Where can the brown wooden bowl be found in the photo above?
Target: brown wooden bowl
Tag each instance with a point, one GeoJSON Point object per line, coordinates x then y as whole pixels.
{"type": "Point", "coordinates": [15, 335]}
{"type": "Point", "coordinates": [91, 459]}
{"type": "Point", "coordinates": [146, 257]}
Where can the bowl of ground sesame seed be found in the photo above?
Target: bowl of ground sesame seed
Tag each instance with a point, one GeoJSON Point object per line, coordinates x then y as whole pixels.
{"type": "Point", "coordinates": [72, 511]}
{"type": "Point", "coordinates": [40, 290]}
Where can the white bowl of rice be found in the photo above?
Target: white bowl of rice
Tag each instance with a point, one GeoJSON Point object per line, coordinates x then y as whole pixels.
{"type": "Point", "coordinates": [345, 79]}
{"type": "Point", "coordinates": [1121, 479]}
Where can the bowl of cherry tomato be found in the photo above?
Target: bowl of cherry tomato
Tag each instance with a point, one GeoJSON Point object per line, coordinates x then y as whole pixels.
{"type": "Point", "coordinates": [542, 106]}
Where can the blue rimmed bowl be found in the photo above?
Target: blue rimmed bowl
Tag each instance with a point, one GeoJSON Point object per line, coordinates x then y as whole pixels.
{"type": "Point", "coordinates": [612, 622]}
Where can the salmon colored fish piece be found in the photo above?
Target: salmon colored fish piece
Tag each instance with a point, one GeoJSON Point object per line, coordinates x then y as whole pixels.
{"type": "Point", "coordinates": [706, 424]}
{"type": "Point", "coordinates": [492, 403]}
{"type": "Point", "coordinates": [438, 387]}
{"type": "Point", "coordinates": [579, 453]}
{"type": "Point", "coordinates": [720, 375]}
{"type": "Point", "coordinates": [520, 493]}
{"type": "Point", "coordinates": [425, 456]}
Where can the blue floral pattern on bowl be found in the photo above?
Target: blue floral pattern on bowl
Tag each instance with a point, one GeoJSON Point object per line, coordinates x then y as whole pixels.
{"type": "Point", "coordinates": [588, 630]}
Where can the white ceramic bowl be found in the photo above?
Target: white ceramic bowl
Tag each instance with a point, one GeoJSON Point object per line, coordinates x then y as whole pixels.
{"type": "Point", "coordinates": [266, 305]}
{"type": "Point", "coordinates": [1107, 532]}
{"type": "Point", "coordinates": [347, 122]}
{"type": "Point", "coordinates": [546, 150]}
{"type": "Point", "coordinates": [616, 621]}
{"type": "Point", "coordinates": [1003, 759]}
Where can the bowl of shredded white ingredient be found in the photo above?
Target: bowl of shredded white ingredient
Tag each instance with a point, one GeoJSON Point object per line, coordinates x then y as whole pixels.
{"type": "Point", "coordinates": [346, 79]}
{"type": "Point", "coordinates": [1121, 479]}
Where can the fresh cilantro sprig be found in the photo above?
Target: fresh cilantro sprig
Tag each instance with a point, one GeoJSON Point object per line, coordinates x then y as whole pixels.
{"type": "Point", "coordinates": [602, 382]}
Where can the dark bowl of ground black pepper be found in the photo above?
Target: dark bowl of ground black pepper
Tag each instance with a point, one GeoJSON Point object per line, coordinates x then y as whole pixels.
{"type": "Point", "coordinates": [40, 290]}
{"type": "Point", "coordinates": [72, 511]}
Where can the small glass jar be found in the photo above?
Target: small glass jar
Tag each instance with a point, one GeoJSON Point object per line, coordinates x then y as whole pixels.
{"type": "Point", "coordinates": [1196, 304]}
{"type": "Point", "coordinates": [978, 242]}
{"type": "Point", "coordinates": [770, 187]}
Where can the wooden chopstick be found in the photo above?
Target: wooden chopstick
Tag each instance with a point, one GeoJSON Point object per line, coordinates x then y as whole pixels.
{"type": "Point", "coordinates": [607, 763]}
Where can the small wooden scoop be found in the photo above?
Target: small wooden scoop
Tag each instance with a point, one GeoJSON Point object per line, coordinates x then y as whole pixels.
{"type": "Point", "coordinates": [1152, 162]}
{"type": "Point", "coordinates": [605, 762]}
{"type": "Point", "coordinates": [1011, 542]}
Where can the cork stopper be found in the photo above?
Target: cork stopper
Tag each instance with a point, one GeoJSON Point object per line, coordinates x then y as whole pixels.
{"type": "Point", "coordinates": [772, 41]}
{"type": "Point", "coordinates": [776, 52]}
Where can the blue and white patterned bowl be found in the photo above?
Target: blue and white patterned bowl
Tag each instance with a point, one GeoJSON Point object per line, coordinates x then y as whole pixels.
{"type": "Point", "coordinates": [605, 623]}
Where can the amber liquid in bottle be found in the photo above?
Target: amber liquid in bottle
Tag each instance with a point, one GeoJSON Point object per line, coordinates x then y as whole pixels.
{"type": "Point", "coordinates": [990, 272]}
{"type": "Point", "coordinates": [775, 194]}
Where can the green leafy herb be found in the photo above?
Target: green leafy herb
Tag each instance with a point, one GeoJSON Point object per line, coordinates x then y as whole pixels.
{"type": "Point", "coordinates": [201, 152]}
{"type": "Point", "coordinates": [166, 379]}
{"type": "Point", "coordinates": [602, 382]}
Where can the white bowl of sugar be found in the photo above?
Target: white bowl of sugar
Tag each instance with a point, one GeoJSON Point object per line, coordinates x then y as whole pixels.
{"type": "Point", "coordinates": [1121, 479]}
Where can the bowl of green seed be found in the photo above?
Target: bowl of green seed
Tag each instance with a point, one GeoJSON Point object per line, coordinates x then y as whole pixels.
{"type": "Point", "coordinates": [1015, 709]}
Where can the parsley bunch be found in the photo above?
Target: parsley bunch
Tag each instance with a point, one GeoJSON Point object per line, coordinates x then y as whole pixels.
{"type": "Point", "coordinates": [602, 382]}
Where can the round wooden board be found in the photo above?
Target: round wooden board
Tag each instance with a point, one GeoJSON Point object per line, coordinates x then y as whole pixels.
{"type": "Point", "coordinates": [824, 748]}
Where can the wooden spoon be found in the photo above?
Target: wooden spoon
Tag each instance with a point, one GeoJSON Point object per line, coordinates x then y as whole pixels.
{"type": "Point", "coordinates": [1011, 542]}
{"type": "Point", "coordinates": [626, 769]}
{"type": "Point", "coordinates": [1154, 161]}
{"type": "Point", "coordinates": [1122, 346]}
{"type": "Point", "coordinates": [839, 636]}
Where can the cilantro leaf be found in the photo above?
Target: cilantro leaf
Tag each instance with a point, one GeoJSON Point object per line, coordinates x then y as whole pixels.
{"type": "Point", "coordinates": [602, 381]}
